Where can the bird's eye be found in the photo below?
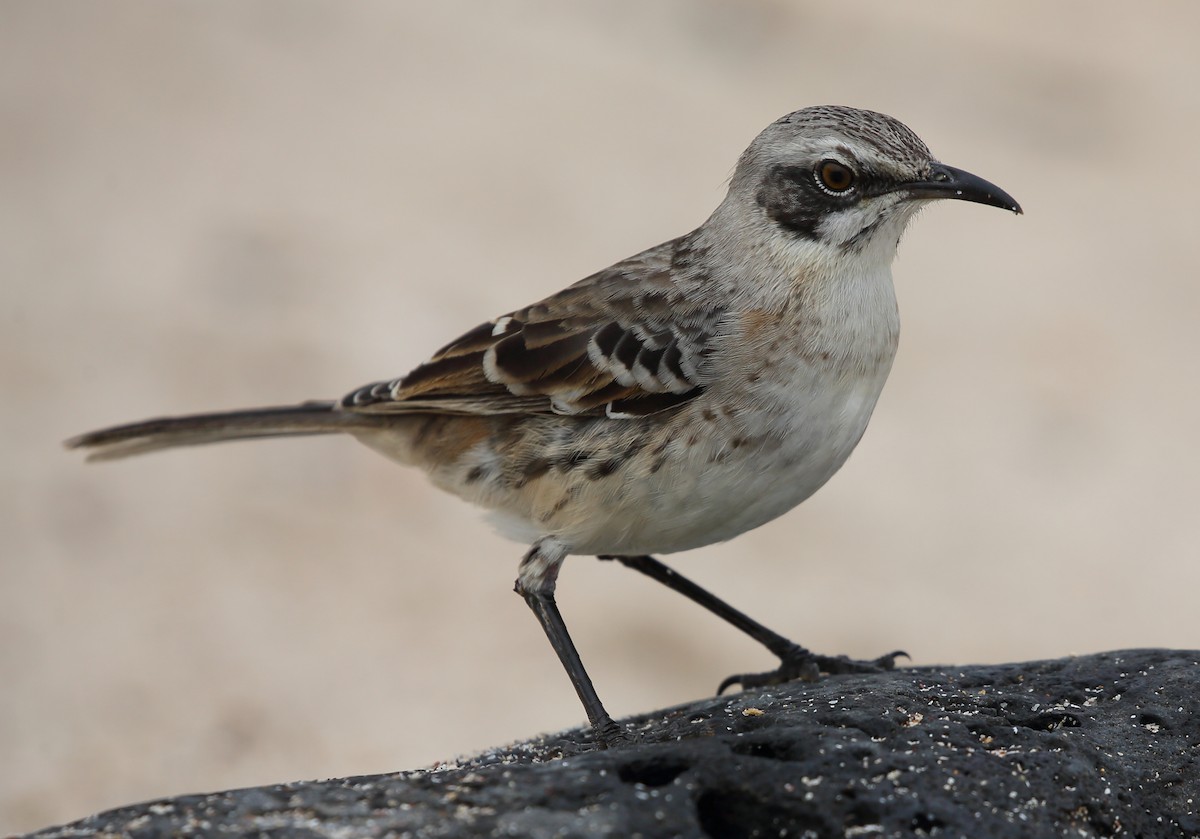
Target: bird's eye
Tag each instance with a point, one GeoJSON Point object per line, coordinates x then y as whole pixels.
{"type": "Point", "coordinates": [834, 177]}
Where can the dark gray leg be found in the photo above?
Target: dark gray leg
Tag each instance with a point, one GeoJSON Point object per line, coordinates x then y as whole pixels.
{"type": "Point", "coordinates": [536, 582]}
{"type": "Point", "coordinates": [796, 662]}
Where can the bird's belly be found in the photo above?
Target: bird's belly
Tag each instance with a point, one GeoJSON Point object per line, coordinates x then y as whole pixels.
{"type": "Point", "coordinates": [706, 480]}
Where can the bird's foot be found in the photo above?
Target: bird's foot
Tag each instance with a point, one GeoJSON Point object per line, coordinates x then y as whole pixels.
{"type": "Point", "coordinates": [807, 666]}
{"type": "Point", "coordinates": [611, 735]}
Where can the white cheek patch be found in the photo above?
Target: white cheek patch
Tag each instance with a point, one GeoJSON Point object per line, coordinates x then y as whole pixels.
{"type": "Point", "coordinates": [841, 227]}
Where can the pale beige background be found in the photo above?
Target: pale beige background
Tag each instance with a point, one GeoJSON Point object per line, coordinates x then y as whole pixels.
{"type": "Point", "coordinates": [207, 205]}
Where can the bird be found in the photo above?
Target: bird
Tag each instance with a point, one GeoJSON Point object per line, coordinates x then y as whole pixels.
{"type": "Point", "coordinates": [676, 399]}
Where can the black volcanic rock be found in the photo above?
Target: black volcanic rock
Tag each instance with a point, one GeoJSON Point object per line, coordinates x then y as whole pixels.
{"type": "Point", "coordinates": [1100, 745]}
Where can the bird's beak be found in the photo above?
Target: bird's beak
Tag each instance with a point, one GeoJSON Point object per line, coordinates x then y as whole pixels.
{"type": "Point", "coordinates": [947, 182]}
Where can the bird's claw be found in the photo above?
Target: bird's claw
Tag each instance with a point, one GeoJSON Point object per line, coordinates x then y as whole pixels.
{"type": "Point", "coordinates": [806, 666]}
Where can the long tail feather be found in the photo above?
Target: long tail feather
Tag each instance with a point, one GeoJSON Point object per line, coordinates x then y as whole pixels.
{"type": "Point", "coordinates": [198, 429]}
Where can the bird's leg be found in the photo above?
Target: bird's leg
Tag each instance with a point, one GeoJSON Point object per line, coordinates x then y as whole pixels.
{"type": "Point", "coordinates": [535, 582]}
{"type": "Point", "coordinates": [795, 661]}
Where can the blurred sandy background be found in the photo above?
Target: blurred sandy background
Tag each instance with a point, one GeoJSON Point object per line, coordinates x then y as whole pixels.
{"type": "Point", "coordinates": [210, 205]}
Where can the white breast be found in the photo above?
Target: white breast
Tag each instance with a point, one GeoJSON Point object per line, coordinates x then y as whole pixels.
{"type": "Point", "coordinates": [779, 419]}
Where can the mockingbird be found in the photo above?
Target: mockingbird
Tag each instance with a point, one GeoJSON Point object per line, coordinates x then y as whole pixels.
{"type": "Point", "coordinates": [675, 399]}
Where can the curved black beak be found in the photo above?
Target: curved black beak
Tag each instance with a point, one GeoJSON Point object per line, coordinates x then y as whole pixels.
{"type": "Point", "coordinates": [947, 182]}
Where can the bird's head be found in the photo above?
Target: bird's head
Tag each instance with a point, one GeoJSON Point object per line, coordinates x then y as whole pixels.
{"type": "Point", "coordinates": [848, 179]}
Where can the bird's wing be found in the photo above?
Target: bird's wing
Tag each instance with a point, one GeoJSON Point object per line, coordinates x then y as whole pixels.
{"type": "Point", "coordinates": [625, 342]}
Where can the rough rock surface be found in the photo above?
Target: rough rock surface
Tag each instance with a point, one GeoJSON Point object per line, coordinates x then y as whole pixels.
{"type": "Point", "coordinates": [1100, 745]}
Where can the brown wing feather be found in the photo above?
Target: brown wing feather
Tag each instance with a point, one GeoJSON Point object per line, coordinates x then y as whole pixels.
{"type": "Point", "coordinates": [624, 342]}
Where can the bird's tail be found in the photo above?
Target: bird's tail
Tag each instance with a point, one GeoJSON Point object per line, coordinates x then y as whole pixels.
{"type": "Point", "coordinates": [198, 429]}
